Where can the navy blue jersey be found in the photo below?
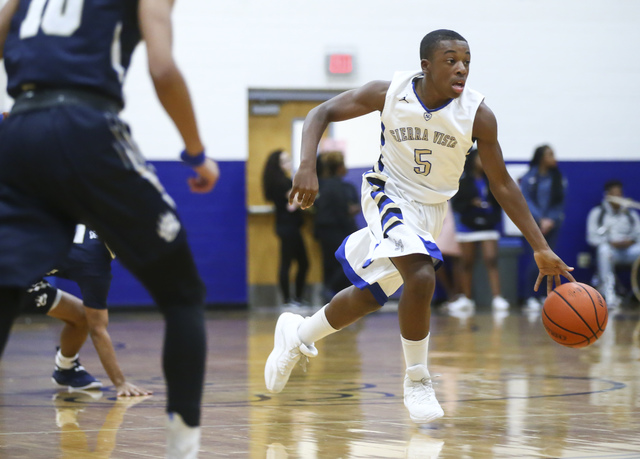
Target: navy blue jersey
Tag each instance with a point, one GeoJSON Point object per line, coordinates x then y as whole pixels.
{"type": "Point", "coordinates": [62, 44]}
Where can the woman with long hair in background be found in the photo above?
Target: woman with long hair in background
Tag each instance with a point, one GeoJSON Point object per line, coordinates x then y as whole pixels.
{"type": "Point", "coordinates": [276, 181]}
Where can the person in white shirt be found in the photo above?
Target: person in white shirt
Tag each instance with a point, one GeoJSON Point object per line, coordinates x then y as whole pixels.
{"type": "Point", "coordinates": [614, 230]}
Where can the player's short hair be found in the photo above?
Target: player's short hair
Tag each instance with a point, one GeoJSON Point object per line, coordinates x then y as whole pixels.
{"type": "Point", "coordinates": [614, 183]}
{"type": "Point", "coordinates": [431, 40]}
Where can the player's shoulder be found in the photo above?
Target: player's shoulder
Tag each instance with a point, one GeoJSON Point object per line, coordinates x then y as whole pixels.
{"type": "Point", "coordinates": [376, 86]}
{"type": "Point", "coordinates": [401, 78]}
{"type": "Point", "coordinates": [399, 83]}
{"type": "Point", "coordinates": [372, 94]}
{"type": "Point", "coordinates": [472, 92]}
{"type": "Point", "coordinates": [485, 124]}
{"type": "Point", "coordinates": [471, 98]}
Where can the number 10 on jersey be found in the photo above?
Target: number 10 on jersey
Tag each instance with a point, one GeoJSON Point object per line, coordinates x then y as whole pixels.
{"type": "Point", "coordinates": [57, 17]}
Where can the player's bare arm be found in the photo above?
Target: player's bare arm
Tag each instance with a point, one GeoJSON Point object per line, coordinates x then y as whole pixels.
{"type": "Point", "coordinates": [509, 196]}
{"type": "Point", "coordinates": [6, 13]}
{"type": "Point", "coordinates": [98, 320]}
{"type": "Point", "coordinates": [345, 106]}
{"type": "Point", "coordinates": [171, 88]}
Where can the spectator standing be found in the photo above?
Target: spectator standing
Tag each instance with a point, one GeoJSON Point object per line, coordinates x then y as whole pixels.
{"type": "Point", "coordinates": [276, 180]}
{"type": "Point", "coordinates": [544, 189]}
{"type": "Point", "coordinates": [336, 207]}
{"type": "Point", "coordinates": [614, 230]}
{"type": "Point", "coordinates": [447, 275]}
{"type": "Point", "coordinates": [477, 216]}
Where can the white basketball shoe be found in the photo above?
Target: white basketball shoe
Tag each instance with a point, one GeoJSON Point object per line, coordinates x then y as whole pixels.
{"type": "Point", "coordinates": [183, 441]}
{"type": "Point", "coordinates": [287, 350]}
{"type": "Point", "coordinates": [499, 303]}
{"type": "Point", "coordinates": [419, 396]}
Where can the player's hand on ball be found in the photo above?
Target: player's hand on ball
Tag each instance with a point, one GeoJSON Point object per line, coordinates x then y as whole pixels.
{"type": "Point", "coordinates": [553, 267]}
{"type": "Point", "coordinates": [208, 175]}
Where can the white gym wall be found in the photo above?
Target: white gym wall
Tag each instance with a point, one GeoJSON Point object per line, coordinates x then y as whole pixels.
{"type": "Point", "coordinates": [563, 72]}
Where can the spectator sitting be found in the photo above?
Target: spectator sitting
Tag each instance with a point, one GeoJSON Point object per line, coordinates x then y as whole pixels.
{"type": "Point", "coordinates": [614, 231]}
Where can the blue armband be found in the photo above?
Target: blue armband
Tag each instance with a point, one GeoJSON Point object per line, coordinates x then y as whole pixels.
{"type": "Point", "coordinates": [193, 161]}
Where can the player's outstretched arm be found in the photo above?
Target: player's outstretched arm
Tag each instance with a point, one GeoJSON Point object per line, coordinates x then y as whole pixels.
{"type": "Point", "coordinates": [171, 88]}
{"type": "Point", "coordinates": [509, 196]}
{"type": "Point", "coordinates": [98, 319]}
{"type": "Point", "coordinates": [345, 106]}
{"type": "Point", "coordinates": [6, 13]}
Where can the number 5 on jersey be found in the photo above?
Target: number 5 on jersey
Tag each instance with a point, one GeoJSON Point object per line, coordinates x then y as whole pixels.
{"type": "Point", "coordinates": [424, 166]}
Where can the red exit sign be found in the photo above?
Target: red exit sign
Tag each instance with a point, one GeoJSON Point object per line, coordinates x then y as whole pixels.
{"type": "Point", "coordinates": [340, 64]}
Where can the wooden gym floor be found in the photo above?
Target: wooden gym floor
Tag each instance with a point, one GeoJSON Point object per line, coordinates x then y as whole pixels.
{"type": "Point", "coordinates": [508, 391]}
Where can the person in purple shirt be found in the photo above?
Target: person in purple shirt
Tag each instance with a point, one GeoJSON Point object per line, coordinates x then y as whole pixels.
{"type": "Point", "coordinates": [544, 189]}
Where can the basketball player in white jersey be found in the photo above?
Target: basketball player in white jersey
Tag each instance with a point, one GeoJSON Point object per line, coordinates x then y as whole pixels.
{"type": "Point", "coordinates": [430, 120]}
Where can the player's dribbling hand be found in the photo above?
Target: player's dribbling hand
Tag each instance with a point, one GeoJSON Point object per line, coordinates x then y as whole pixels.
{"type": "Point", "coordinates": [553, 267]}
{"type": "Point", "coordinates": [208, 175]}
{"type": "Point", "coordinates": [126, 389]}
{"type": "Point", "coordinates": [305, 188]}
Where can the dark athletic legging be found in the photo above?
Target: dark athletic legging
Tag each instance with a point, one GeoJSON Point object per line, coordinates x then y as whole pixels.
{"type": "Point", "coordinates": [9, 308]}
{"type": "Point", "coordinates": [175, 285]}
{"type": "Point", "coordinates": [292, 248]}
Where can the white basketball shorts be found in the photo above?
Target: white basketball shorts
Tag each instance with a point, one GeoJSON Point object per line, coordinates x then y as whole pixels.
{"type": "Point", "coordinates": [396, 227]}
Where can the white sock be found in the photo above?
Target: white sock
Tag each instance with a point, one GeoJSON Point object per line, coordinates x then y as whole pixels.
{"type": "Point", "coordinates": [415, 352]}
{"type": "Point", "coordinates": [63, 362]}
{"type": "Point", "coordinates": [315, 328]}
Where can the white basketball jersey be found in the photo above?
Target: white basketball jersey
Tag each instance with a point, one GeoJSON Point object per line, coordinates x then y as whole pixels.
{"type": "Point", "coordinates": [423, 151]}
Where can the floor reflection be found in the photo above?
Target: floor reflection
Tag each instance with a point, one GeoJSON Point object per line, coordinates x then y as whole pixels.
{"type": "Point", "coordinates": [74, 440]}
{"type": "Point", "coordinates": [506, 388]}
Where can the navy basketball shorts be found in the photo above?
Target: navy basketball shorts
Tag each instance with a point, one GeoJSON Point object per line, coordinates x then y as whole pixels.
{"type": "Point", "coordinates": [75, 164]}
{"type": "Point", "coordinates": [88, 265]}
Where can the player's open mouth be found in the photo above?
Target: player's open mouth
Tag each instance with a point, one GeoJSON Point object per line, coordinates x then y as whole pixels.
{"type": "Point", "coordinates": [458, 87]}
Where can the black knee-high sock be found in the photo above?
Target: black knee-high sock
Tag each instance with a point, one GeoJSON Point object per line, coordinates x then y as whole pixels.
{"type": "Point", "coordinates": [9, 308]}
{"type": "Point", "coordinates": [184, 359]}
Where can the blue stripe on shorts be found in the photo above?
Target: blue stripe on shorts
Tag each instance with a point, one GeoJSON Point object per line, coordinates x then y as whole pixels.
{"type": "Point", "coordinates": [356, 280]}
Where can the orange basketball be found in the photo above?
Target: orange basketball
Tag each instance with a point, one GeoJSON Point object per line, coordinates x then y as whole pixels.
{"type": "Point", "coordinates": [575, 314]}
